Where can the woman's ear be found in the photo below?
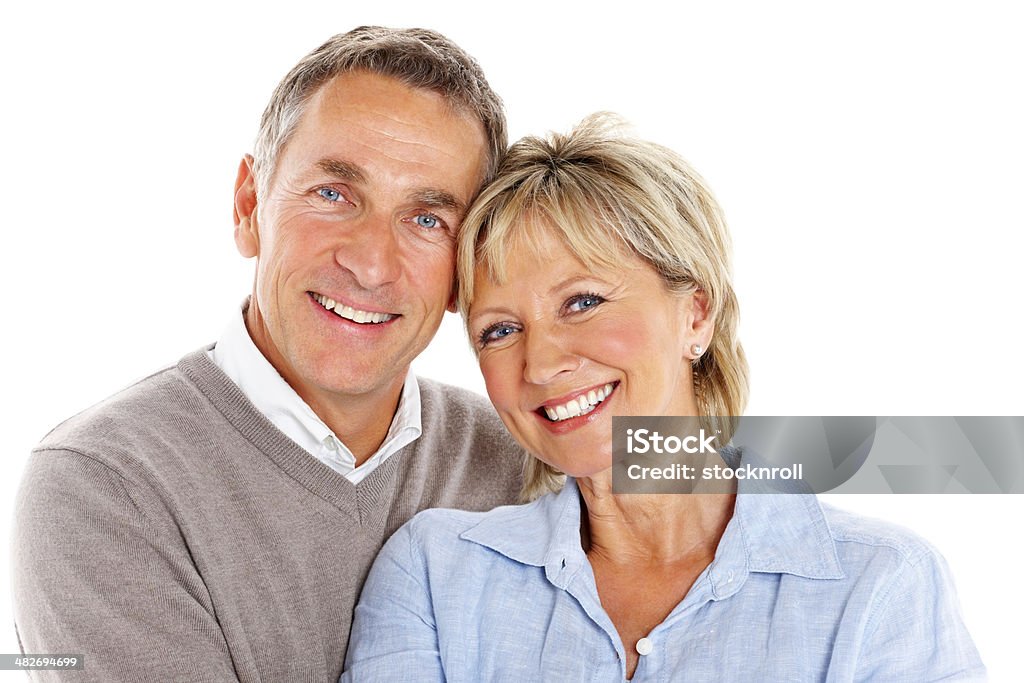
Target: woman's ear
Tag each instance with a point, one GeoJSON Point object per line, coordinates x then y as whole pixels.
{"type": "Point", "coordinates": [247, 238]}
{"type": "Point", "coordinates": [700, 328]}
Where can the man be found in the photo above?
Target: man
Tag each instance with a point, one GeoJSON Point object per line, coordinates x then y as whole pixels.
{"type": "Point", "coordinates": [216, 520]}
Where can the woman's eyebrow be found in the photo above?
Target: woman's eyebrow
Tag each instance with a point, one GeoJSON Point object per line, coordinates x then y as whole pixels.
{"type": "Point", "coordinates": [572, 280]}
{"type": "Point", "coordinates": [490, 310]}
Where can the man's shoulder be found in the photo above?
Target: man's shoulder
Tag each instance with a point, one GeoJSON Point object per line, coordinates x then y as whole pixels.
{"type": "Point", "coordinates": [447, 397]}
{"type": "Point", "coordinates": [158, 406]}
{"type": "Point", "coordinates": [460, 411]}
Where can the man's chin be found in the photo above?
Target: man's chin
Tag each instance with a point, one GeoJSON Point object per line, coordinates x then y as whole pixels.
{"type": "Point", "coordinates": [353, 380]}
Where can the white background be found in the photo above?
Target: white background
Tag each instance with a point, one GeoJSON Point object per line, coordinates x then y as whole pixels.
{"type": "Point", "coordinates": [868, 155]}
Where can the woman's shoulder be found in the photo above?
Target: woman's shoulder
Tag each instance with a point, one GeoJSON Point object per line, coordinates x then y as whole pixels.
{"type": "Point", "coordinates": [902, 592]}
{"type": "Point", "coordinates": [439, 523]}
{"type": "Point", "coordinates": [439, 532]}
{"type": "Point", "coordinates": [872, 547]}
{"type": "Point", "coordinates": [870, 534]}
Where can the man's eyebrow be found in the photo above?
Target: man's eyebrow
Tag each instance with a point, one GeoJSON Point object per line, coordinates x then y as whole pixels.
{"type": "Point", "coordinates": [434, 198]}
{"type": "Point", "coordinates": [438, 199]}
{"type": "Point", "coordinates": [342, 170]}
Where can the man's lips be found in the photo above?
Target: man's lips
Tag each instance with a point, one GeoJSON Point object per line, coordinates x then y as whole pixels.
{"type": "Point", "coordinates": [576, 404]}
{"type": "Point", "coordinates": [347, 312]}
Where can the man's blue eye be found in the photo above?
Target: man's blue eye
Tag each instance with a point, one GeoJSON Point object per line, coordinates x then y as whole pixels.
{"type": "Point", "coordinates": [329, 194]}
{"type": "Point", "coordinates": [426, 220]}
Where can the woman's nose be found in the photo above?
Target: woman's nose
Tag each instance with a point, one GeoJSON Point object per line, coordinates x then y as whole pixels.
{"type": "Point", "coordinates": [547, 357]}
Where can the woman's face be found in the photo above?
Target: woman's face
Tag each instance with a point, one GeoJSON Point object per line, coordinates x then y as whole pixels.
{"type": "Point", "coordinates": [564, 347]}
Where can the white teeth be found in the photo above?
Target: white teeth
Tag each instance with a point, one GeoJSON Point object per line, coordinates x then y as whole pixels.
{"type": "Point", "coordinates": [349, 313]}
{"type": "Point", "coordinates": [581, 405]}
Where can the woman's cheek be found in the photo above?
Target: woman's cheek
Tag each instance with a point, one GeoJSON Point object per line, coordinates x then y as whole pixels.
{"type": "Point", "coordinates": [500, 380]}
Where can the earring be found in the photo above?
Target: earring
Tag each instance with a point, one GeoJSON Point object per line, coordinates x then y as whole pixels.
{"type": "Point", "coordinates": [696, 349]}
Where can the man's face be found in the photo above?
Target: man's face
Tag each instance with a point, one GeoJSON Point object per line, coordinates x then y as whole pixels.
{"type": "Point", "coordinates": [355, 235]}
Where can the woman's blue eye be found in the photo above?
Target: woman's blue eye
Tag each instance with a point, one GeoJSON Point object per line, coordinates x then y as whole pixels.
{"type": "Point", "coordinates": [499, 332]}
{"type": "Point", "coordinates": [584, 302]}
{"type": "Point", "coordinates": [426, 220]}
{"type": "Point", "coordinates": [496, 333]}
{"type": "Point", "coordinates": [329, 194]}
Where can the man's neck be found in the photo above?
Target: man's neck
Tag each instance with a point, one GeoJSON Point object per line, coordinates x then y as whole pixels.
{"type": "Point", "coordinates": [360, 421]}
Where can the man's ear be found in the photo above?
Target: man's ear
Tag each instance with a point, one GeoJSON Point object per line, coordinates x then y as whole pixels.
{"type": "Point", "coordinates": [247, 237]}
{"type": "Point", "coordinates": [453, 302]}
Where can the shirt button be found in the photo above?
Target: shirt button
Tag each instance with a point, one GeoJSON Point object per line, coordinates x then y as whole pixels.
{"type": "Point", "coordinates": [644, 646]}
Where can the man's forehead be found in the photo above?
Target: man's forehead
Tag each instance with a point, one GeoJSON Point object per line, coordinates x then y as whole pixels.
{"type": "Point", "coordinates": [373, 126]}
{"type": "Point", "coordinates": [367, 93]}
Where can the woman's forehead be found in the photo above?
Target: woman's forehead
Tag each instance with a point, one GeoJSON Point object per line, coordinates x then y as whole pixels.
{"type": "Point", "coordinates": [585, 238]}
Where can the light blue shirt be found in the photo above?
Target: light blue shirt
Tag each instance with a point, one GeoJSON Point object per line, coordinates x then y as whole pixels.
{"type": "Point", "coordinates": [797, 591]}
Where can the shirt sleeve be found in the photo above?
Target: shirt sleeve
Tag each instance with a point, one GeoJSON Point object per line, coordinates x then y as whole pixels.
{"type": "Point", "coordinates": [99, 571]}
{"type": "Point", "coordinates": [916, 632]}
{"type": "Point", "coordinates": [394, 635]}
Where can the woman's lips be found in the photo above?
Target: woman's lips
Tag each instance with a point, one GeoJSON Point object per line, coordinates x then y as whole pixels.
{"type": "Point", "coordinates": [596, 399]}
{"type": "Point", "coordinates": [580, 404]}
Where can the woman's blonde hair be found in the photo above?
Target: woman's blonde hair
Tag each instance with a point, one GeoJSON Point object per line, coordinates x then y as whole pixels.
{"type": "Point", "coordinates": [606, 194]}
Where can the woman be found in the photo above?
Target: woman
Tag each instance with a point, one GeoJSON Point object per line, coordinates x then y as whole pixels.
{"type": "Point", "coordinates": [594, 276]}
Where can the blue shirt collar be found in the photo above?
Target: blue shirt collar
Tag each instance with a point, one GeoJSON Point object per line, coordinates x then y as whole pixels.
{"type": "Point", "coordinates": [544, 533]}
{"type": "Point", "coordinates": [768, 533]}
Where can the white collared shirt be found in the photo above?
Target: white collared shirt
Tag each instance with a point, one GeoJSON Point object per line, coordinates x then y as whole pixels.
{"type": "Point", "coordinates": [237, 355]}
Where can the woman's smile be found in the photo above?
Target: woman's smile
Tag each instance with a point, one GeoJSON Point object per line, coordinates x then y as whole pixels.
{"type": "Point", "coordinates": [565, 346]}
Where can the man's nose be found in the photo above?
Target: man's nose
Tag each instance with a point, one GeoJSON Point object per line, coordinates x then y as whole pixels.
{"type": "Point", "coordinates": [371, 252]}
{"type": "Point", "coordinates": [548, 356]}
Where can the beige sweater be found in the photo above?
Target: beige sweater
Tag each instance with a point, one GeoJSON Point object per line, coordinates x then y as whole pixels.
{"type": "Point", "coordinates": [173, 533]}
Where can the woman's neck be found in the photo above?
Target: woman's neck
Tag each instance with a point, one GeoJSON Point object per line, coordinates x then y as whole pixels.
{"type": "Point", "coordinates": [651, 528]}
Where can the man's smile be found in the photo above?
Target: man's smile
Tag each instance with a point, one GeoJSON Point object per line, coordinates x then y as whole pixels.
{"type": "Point", "coordinates": [350, 313]}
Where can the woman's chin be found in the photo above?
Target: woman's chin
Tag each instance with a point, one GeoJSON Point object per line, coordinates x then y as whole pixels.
{"type": "Point", "coordinates": [597, 472]}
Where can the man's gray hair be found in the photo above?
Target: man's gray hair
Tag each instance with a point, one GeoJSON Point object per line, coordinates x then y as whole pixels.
{"type": "Point", "coordinates": [419, 58]}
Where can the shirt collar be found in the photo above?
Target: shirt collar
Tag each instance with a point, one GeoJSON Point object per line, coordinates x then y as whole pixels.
{"type": "Point", "coordinates": [544, 533]}
{"type": "Point", "coordinates": [237, 355]}
{"type": "Point", "coordinates": [768, 533]}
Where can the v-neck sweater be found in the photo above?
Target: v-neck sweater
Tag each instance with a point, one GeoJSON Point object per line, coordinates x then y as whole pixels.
{"type": "Point", "coordinates": [173, 533]}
